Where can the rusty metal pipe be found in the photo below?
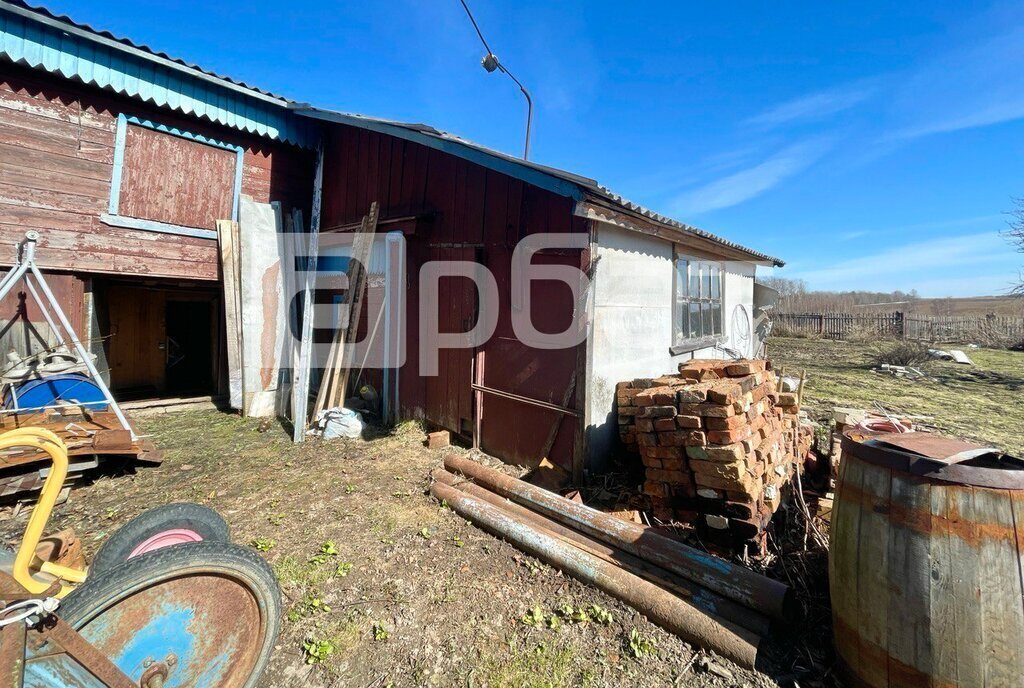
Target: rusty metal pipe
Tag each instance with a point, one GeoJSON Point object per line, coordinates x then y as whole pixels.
{"type": "Point", "coordinates": [739, 584]}
{"type": "Point", "coordinates": [701, 598]}
{"type": "Point", "coordinates": [662, 607]}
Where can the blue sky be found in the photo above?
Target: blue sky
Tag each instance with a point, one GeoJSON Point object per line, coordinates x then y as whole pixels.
{"type": "Point", "coordinates": [872, 145]}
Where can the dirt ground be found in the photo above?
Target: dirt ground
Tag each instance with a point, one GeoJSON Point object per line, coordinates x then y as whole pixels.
{"type": "Point", "coordinates": [384, 586]}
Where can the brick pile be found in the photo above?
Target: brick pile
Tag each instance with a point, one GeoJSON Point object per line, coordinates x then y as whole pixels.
{"type": "Point", "coordinates": [719, 444]}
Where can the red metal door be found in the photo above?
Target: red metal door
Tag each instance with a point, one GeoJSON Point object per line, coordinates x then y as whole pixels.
{"type": "Point", "coordinates": [449, 397]}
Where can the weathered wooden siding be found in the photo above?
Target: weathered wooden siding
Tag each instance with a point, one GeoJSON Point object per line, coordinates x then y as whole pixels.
{"type": "Point", "coordinates": [70, 293]}
{"type": "Point", "coordinates": [176, 181]}
{"type": "Point", "coordinates": [56, 160]}
{"type": "Point", "coordinates": [474, 213]}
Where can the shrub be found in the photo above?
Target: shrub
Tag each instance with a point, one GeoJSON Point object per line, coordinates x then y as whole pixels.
{"type": "Point", "coordinates": [904, 352]}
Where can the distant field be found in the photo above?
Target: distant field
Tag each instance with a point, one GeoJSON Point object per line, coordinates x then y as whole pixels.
{"type": "Point", "coordinates": [975, 305]}
{"type": "Point", "coordinates": [983, 403]}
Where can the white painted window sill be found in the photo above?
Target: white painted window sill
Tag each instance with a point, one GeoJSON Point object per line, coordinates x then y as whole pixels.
{"type": "Point", "coordinates": [691, 345]}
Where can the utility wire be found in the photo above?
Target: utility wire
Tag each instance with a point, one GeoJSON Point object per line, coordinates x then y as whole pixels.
{"type": "Point", "coordinates": [504, 70]}
{"type": "Point", "coordinates": [478, 31]}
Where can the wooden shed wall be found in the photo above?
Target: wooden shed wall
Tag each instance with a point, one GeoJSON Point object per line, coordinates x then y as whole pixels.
{"type": "Point", "coordinates": [56, 160]}
{"type": "Point", "coordinates": [475, 214]}
{"type": "Point", "coordinates": [69, 291]}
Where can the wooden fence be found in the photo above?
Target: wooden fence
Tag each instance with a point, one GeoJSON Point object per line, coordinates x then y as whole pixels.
{"type": "Point", "coordinates": [986, 330]}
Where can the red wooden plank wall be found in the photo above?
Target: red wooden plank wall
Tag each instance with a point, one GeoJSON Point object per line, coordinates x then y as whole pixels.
{"type": "Point", "coordinates": [56, 159]}
{"type": "Point", "coordinates": [477, 212]}
{"type": "Point", "coordinates": [69, 291]}
{"type": "Point", "coordinates": [174, 180]}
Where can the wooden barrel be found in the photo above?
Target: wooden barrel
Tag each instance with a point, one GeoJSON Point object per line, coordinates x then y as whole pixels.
{"type": "Point", "coordinates": [925, 569]}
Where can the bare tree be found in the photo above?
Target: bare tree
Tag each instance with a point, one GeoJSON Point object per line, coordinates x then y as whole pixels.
{"type": "Point", "coordinates": [1014, 233]}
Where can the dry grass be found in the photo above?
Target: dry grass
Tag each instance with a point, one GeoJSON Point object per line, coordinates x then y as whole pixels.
{"type": "Point", "coordinates": [902, 352]}
{"type": "Point", "coordinates": [980, 402]}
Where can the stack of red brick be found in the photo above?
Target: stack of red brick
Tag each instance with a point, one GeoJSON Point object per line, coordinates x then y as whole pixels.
{"type": "Point", "coordinates": [718, 443]}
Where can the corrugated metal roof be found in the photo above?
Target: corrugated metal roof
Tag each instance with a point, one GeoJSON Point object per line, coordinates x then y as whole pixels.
{"type": "Point", "coordinates": [550, 178]}
{"type": "Point", "coordinates": [664, 220]}
{"type": "Point", "coordinates": [37, 38]}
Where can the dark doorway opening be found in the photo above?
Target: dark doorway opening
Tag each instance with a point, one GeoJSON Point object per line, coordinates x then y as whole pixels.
{"type": "Point", "coordinates": [160, 341]}
{"type": "Point", "coordinates": [189, 369]}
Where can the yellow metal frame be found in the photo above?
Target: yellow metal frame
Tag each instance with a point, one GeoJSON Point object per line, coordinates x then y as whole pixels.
{"type": "Point", "coordinates": [25, 560]}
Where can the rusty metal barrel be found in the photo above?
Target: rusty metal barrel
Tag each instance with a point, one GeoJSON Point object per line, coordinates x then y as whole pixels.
{"type": "Point", "coordinates": [925, 563]}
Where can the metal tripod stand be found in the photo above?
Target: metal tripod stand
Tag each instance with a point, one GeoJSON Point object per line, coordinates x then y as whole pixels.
{"type": "Point", "coordinates": [25, 269]}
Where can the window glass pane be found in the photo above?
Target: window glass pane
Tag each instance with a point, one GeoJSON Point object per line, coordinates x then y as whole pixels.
{"type": "Point", "coordinates": [681, 278]}
{"type": "Point", "coordinates": [705, 309]}
{"type": "Point", "coordinates": [694, 280]}
{"type": "Point", "coordinates": [715, 286]}
{"type": "Point", "coordinates": [681, 321]}
{"type": "Point", "coordinates": [705, 274]}
{"type": "Point", "coordinates": [695, 324]}
{"type": "Point", "coordinates": [716, 317]}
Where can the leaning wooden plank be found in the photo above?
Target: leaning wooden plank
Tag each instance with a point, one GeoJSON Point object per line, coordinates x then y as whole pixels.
{"type": "Point", "coordinates": [301, 398]}
{"type": "Point", "coordinates": [362, 249]}
{"type": "Point", "coordinates": [226, 238]}
{"type": "Point", "coordinates": [329, 378]}
{"type": "Point", "coordinates": [335, 379]}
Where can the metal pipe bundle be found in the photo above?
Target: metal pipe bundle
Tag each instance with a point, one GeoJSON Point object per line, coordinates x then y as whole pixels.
{"type": "Point", "coordinates": [703, 599]}
{"type": "Point", "coordinates": [736, 583]}
{"type": "Point", "coordinates": [664, 608]}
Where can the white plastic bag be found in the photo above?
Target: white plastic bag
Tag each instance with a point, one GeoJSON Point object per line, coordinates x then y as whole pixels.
{"type": "Point", "coordinates": [338, 422]}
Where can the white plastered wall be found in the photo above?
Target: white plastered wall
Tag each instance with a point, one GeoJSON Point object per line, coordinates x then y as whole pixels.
{"type": "Point", "coordinates": [632, 323]}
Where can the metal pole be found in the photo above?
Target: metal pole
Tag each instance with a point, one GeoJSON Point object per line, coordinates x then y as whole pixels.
{"type": "Point", "coordinates": [735, 582]}
{"type": "Point", "coordinates": [9, 277]}
{"type": "Point", "coordinates": [662, 607]}
{"type": "Point", "coordinates": [12, 277]}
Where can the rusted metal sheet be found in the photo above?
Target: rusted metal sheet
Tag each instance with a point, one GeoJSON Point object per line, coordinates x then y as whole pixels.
{"type": "Point", "coordinates": [264, 319]}
{"type": "Point", "coordinates": [12, 654]}
{"type": "Point", "coordinates": [925, 572]}
{"type": "Point", "coordinates": [31, 330]}
{"type": "Point", "coordinates": [663, 608]}
{"type": "Point", "coordinates": [207, 639]}
{"type": "Point", "coordinates": [742, 585]}
{"type": "Point", "coordinates": [988, 469]}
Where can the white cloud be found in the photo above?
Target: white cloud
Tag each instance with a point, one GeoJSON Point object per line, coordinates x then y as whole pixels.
{"type": "Point", "coordinates": [813, 106]}
{"type": "Point", "coordinates": [967, 88]}
{"type": "Point", "coordinates": [746, 184]}
{"type": "Point", "coordinates": [963, 265]}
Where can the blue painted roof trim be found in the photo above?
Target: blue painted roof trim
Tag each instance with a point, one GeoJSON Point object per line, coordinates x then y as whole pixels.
{"type": "Point", "coordinates": [62, 49]}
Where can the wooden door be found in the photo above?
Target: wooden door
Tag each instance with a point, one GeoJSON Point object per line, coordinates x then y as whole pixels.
{"type": "Point", "coordinates": [136, 352]}
{"type": "Point", "coordinates": [449, 396]}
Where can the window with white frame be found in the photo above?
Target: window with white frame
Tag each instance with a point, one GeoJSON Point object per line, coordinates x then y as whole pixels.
{"type": "Point", "coordinates": [173, 181]}
{"type": "Point", "coordinates": [698, 301]}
